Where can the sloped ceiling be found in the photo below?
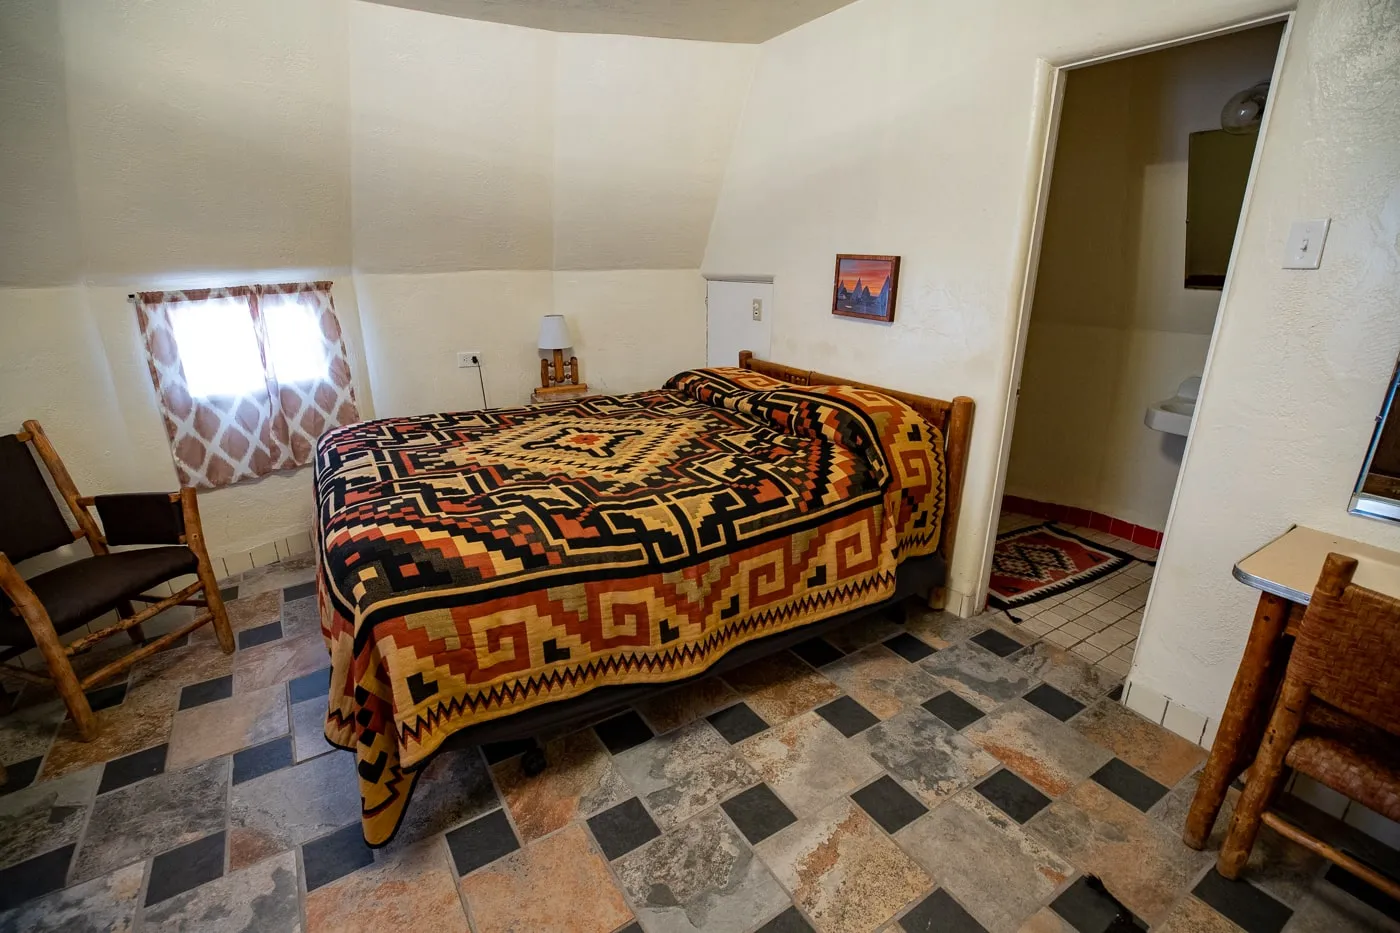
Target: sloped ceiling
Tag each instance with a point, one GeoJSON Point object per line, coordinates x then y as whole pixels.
{"type": "Point", "coordinates": [709, 20]}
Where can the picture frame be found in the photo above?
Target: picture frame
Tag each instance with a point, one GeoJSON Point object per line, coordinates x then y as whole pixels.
{"type": "Point", "coordinates": [866, 287]}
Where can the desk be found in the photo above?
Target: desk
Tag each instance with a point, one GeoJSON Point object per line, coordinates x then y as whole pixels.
{"type": "Point", "coordinates": [1285, 571]}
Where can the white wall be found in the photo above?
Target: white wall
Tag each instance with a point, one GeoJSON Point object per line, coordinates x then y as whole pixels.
{"type": "Point", "coordinates": [154, 145]}
{"type": "Point", "coordinates": [502, 173]}
{"type": "Point", "coordinates": [1301, 360]}
{"type": "Point", "coordinates": [443, 167]}
{"type": "Point", "coordinates": [900, 126]}
{"type": "Point", "coordinates": [1113, 328]}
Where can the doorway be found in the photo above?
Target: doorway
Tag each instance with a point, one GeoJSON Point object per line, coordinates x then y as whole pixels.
{"type": "Point", "coordinates": [1120, 305]}
{"type": "Point", "coordinates": [739, 317]}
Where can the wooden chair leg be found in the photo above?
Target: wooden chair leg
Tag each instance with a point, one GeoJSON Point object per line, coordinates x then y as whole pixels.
{"type": "Point", "coordinates": [135, 633]}
{"type": "Point", "coordinates": [1265, 778]}
{"type": "Point", "coordinates": [194, 538]}
{"type": "Point", "coordinates": [41, 629]}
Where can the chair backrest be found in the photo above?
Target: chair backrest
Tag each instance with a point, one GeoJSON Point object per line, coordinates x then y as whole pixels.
{"type": "Point", "coordinates": [30, 521]}
{"type": "Point", "coordinates": [1348, 647]}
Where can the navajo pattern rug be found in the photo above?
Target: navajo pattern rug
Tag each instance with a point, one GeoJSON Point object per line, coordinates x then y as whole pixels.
{"type": "Point", "coordinates": [476, 564]}
{"type": "Point", "coordinates": [1032, 563]}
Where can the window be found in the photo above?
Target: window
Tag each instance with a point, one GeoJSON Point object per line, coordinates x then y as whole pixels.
{"type": "Point", "coordinates": [248, 377]}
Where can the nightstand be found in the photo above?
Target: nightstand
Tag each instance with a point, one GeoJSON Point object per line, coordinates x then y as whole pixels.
{"type": "Point", "coordinates": [561, 393]}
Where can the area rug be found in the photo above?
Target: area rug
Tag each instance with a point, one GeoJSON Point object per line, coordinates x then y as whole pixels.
{"type": "Point", "coordinates": [1032, 563]}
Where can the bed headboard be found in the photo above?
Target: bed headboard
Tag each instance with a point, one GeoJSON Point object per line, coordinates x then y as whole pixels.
{"type": "Point", "coordinates": [953, 418]}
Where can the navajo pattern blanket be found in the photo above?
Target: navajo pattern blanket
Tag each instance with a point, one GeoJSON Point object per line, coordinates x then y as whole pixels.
{"type": "Point", "coordinates": [476, 564]}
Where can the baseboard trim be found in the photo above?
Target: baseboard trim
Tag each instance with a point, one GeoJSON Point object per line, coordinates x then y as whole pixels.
{"type": "Point", "coordinates": [1084, 518]}
{"type": "Point", "coordinates": [232, 564]}
{"type": "Point", "coordinates": [1194, 727]}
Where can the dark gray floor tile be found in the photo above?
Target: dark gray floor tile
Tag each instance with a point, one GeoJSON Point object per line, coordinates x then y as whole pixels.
{"type": "Point", "coordinates": [300, 591]}
{"type": "Point", "coordinates": [261, 635]}
{"type": "Point", "coordinates": [337, 855]}
{"type": "Point", "coordinates": [848, 716]}
{"type": "Point", "coordinates": [1363, 892]}
{"type": "Point", "coordinates": [35, 877]}
{"type": "Point", "coordinates": [497, 752]}
{"type": "Point", "coordinates": [817, 651]}
{"type": "Point", "coordinates": [758, 813]}
{"type": "Point", "coordinates": [106, 697]}
{"type": "Point", "coordinates": [1060, 705]}
{"type": "Point", "coordinates": [888, 804]}
{"type": "Point", "coordinates": [310, 686]}
{"type": "Point", "coordinates": [229, 593]}
{"type": "Point", "coordinates": [622, 828]}
{"type": "Point", "coordinates": [480, 842]}
{"type": "Point", "coordinates": [262, 759]}
{"type": "Point", "coordinates": [939, 913]}
{"type": "Point", "coordinates": [623, 732]}
{"type": "Point", "coordinates": [187, 867]}
{"type": "Point", "coordinates": [1116, 693]}
{"type": "Point", "coordinates": [1250, 908]}
{"type": "Point", "coordinates": [953, 710]}
{"type": "Point", "coordinates": [21, 774]}
{"type": "Point", "coordinates": [737, 722]}
{"type": "Point", "coordinates": [789, 921]}
{"type": "Point", "coordinates": [1013, 796]}
{"type": "Point", "coordinates": [908, 647]}
{"type": "Point", "coordinates": [997, 643]}
{"type": "Point", "coordinates": [129, 769]}
{"type": "Point", "coordinates": [1089, 908]}
{"type": "Point", "coordinates": [206, 691]}
{"type": "Point", "coordinates": [1130, 784]}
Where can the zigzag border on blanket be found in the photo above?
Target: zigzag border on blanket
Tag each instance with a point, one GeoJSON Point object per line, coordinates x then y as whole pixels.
{"type": "Point", "coordinates": [538, 684]}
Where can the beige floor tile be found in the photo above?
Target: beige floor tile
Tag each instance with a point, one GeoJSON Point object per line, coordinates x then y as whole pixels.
{"type": "Point", "coordinates": [1160, 753]}
{"type": "Point", "coordinates": [226, 726]}
{"type": "Point", "coordinates": [843, 871]}
{"type": "Point", "coordinates": [414, 890]}
{"type": "Point", "coordinates": [807, 762]}
{"type": "Point", "coordinates": [1089, 652]}
{"type": "Point", "coordinates": [509, 895]}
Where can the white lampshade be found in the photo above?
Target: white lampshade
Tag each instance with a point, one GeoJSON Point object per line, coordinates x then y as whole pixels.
{"type": "Point", "coordinates": [554, 333]}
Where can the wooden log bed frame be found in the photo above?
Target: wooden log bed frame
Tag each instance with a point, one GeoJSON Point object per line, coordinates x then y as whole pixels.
{"type": "Point", "coordinates": [953, 418]}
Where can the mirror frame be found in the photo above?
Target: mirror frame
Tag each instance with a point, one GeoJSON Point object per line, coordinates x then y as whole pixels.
{"type": "Point", "coordinates": [1364, 504]}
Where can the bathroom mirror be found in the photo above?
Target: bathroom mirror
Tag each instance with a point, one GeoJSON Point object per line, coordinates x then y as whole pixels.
{"type": "Point", "coordinates": [1377, 493]}
{"type": "Point", "coordinates": [1217, 171]}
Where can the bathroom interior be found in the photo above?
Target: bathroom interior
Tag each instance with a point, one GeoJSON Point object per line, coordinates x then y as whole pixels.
{"type": "Point", "coordinates": [1124, 307]}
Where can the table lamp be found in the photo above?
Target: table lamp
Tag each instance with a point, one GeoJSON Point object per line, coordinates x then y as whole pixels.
{"type": "Point", "coordinates": [554, 335]}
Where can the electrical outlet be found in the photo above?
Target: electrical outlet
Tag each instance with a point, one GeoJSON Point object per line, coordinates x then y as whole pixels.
{"type": "Point", "coordinates": [468, 359]}
{"type": "Point", "coordinates": [758, 309]}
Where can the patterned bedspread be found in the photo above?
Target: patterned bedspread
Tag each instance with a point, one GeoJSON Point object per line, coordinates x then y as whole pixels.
{"type": "Point", "coordinates": [476, 564]}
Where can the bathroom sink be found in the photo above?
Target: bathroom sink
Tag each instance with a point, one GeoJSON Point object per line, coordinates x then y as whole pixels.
{"type": "Point", "coordinates": [1173, 415]}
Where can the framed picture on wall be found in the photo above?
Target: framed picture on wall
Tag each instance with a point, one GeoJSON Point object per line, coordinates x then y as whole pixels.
{"type": "Point", "coordinates": [865, 287]}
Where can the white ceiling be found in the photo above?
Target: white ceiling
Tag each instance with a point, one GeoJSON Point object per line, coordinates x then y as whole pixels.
{"type": "Point", "coordinates": [712, 20]}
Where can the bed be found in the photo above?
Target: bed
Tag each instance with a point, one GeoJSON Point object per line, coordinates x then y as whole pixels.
{"type": "Point", "coordinates": [487, 575]}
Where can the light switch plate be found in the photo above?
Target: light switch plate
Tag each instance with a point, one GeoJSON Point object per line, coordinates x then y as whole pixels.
{"type": "Point", "coordinates": [1305, 242]}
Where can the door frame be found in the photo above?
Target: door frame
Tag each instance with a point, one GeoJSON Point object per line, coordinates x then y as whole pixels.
{"type": "Point", "coordinates": [1050, 81]}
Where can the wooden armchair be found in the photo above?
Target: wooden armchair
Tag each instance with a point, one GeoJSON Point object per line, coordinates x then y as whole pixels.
{"type": "Point", "coordinates": [34, 612]}
{"type": "Point", "coordinates": [1337, 719]}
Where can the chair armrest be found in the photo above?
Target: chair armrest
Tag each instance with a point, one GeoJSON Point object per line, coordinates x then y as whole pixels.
{"type": "Point", "coordinates": [141, 518]}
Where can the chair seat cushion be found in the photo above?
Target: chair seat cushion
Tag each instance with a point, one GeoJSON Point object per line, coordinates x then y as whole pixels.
{"type": "Point", "coordinates": [80, 591]}
{"type": "Point", "coordinates": [1353, 758]}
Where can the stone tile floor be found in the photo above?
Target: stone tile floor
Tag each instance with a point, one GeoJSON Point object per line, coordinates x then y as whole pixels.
{"type": "Point", "coordinates": [1098, 621]}
{"type": "Point", "coordinates": [912, 773]}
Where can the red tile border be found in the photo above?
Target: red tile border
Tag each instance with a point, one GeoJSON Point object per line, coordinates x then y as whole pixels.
{"type": "Point", "coordinates": [1084, 518]}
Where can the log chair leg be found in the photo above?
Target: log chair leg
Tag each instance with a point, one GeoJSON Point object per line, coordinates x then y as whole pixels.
{"type": "Point", "coordinates": [194, 538]}
{"type": "Point", "coordinates": [135, 633]}
{"type": "Point", "coordinates": [1265, 778]}
{"type": "Point", "coordinates": [1232, 740]}
{"type": "Point", "coordinates": [41, 629]}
